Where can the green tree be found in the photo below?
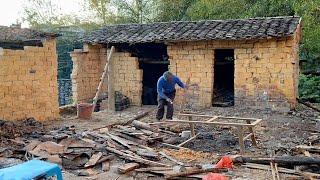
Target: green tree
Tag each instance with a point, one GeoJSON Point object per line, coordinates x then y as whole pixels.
{"type": "Point", "coordinates": [44, 13]}
{"type": "Point", "coordinates": [101, 8]}
{"type": "Point", "coordinates": [134, 11]}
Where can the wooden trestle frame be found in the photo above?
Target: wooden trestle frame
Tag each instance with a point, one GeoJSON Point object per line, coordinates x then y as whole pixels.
{"type": "Point", "coordinates": [250, 123]}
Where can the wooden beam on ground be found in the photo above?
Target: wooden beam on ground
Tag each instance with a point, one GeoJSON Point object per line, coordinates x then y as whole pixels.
{"type": "Point", "coordinates": [195, 171]}
{"type": "Point", "coordinates": [104, 73]}
{"type": "Point", "coordinates": [134, 158]}
{"type": "Point", "coordinates": [210, 123]}
{"type": "Point", "coordinates": [222, 117]}
{"type": "Point", "coordinates": [281, 160]}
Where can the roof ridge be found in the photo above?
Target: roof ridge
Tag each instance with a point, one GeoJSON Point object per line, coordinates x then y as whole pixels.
{"type": "Point", "coordinates": [203, 20]}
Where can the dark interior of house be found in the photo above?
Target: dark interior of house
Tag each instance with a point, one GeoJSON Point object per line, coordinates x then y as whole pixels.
{"type": "Point", "coordinates": [223, 94]}
{"type": "Point", "coordinates": [153, 60]}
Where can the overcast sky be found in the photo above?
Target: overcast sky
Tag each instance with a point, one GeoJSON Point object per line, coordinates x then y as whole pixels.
{"type": "Point", "coordinates": [12, 10]}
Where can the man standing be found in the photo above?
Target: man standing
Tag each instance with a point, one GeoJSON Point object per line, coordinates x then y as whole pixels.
{"type": "Point", "coordinates": [166, 93]}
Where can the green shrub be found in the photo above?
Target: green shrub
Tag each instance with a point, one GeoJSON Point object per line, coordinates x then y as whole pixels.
{"type": "Point", "coordinates": [309, 88]}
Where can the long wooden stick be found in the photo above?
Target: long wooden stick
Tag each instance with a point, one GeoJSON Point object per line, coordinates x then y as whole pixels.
{"type": "Point", "coordinates": [133, 158]}
{"type": "Point", "coordinates": [104, 73]}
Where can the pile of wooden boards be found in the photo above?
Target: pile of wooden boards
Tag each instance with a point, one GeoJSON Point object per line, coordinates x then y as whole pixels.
{"type": "Point", "coordinates": [91, 152]}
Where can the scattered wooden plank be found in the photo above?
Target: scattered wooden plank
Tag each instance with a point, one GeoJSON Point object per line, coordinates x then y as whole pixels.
{"type": "Point", "coordinates": [119, 140]}
{"type": "Point", "coordinates": [222, 117]}
{"type": "Point", "coordinates": [195, 171]}
{"type": "Point", "coordinates": [93, 160]}
{"type": "Point", "coordinates": [128, 167]}
{"type": "Point", "coordinates": [267, 168]}
{"type": "Point", "coordinates": [142, 125]}
{"type": "Point", "coordinates": [210, 123]}
{"type": "Point", "coordinates": [134, 158]}
{"type": "Point", "coordinates": [149, 169]}
{"type": "Point", "coordinates": [171, 158]}
{"type": "Point", "coordinates": [281, 160]}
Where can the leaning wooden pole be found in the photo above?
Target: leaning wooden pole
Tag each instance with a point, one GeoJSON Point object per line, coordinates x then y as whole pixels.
{"type": "Point", "coordinates": [104, 73]}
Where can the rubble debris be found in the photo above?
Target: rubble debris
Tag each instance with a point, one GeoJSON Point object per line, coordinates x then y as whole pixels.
{"type": "Point", "coordinates": [128, 167]}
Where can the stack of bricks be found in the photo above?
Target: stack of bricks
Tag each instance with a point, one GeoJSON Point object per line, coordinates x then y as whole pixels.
{"type": "Point", "coordinates": [88, 66]}
{"type": "Point", "coordinates": [28, 83]}
{"type": "Point", "coordinates": [266, 71]}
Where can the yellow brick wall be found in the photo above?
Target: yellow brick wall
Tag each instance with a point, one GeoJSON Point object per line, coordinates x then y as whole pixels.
{"type": "Point", "coordinates": [28, 83]}
{"type": "Point", "coordinates": [88, 67]}
{"type": "Point", "coordinates": [263, 68]}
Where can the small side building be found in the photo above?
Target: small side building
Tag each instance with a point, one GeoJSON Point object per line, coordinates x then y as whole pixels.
{"type": "Point", "coordinates": [28, 74]}
{"type": "Point", "coordinates": [253, 62]}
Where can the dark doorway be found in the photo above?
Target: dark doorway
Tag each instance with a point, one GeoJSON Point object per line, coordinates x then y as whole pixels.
{"type": "Point", "coordinates": [153, 60]}
{"type": "Point", "coordinates": [223, 94]}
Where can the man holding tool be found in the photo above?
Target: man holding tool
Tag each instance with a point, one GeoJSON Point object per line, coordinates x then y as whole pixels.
{"type": "Point", "coordinates": [166, 93]}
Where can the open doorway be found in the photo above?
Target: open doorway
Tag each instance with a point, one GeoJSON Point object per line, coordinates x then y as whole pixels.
{"type": "Point", "coordinates": [153, 60]}
{"type": "Point", "coordinates": [223, 94]}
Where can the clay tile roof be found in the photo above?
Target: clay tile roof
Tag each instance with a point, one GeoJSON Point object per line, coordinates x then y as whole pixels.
{"type": "Point", "coordinates": [20, 35]}
{"type": "Point", "coordinates": [238, 29]}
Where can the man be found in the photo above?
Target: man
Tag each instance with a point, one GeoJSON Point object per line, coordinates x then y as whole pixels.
{"type": "Point", "coordinates": [166, 93]}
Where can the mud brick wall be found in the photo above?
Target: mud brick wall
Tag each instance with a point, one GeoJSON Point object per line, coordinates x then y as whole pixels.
{"type": "Point", "coordinates": [266, 71]}
{"type": "Point", "coordinates": [128, 76]}
{"type": "Point", "coordinates": [88, 66]}
{"type": "Point", "coordinates": [193, 61]}
{"type": "Point", "coordinates": [28, 83]}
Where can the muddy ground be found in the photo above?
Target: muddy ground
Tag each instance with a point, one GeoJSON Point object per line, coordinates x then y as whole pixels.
{"type": "Point", "coordinates": [278, 134]}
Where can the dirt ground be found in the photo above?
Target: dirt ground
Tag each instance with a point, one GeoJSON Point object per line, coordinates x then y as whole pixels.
{"type": "Point", "coordinates": [279, 133]}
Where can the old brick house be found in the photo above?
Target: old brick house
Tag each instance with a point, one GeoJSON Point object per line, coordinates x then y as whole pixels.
{"type": "Point", "coordinates": [28, 74]}
{"type": "Point", "coordinates": [254, 60]}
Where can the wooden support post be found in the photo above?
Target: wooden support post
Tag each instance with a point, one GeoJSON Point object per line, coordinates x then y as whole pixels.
{"type": "Point", "coordinates": [241, 141]}
{"type": "Point", "coordinates": [111, 97]}
{"type": "Point", "coordinates": [191, 126]}
{"type": "Point", "coordinates": [104, 73]}
{"type": "Point", "coordinates": [253, 137]}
